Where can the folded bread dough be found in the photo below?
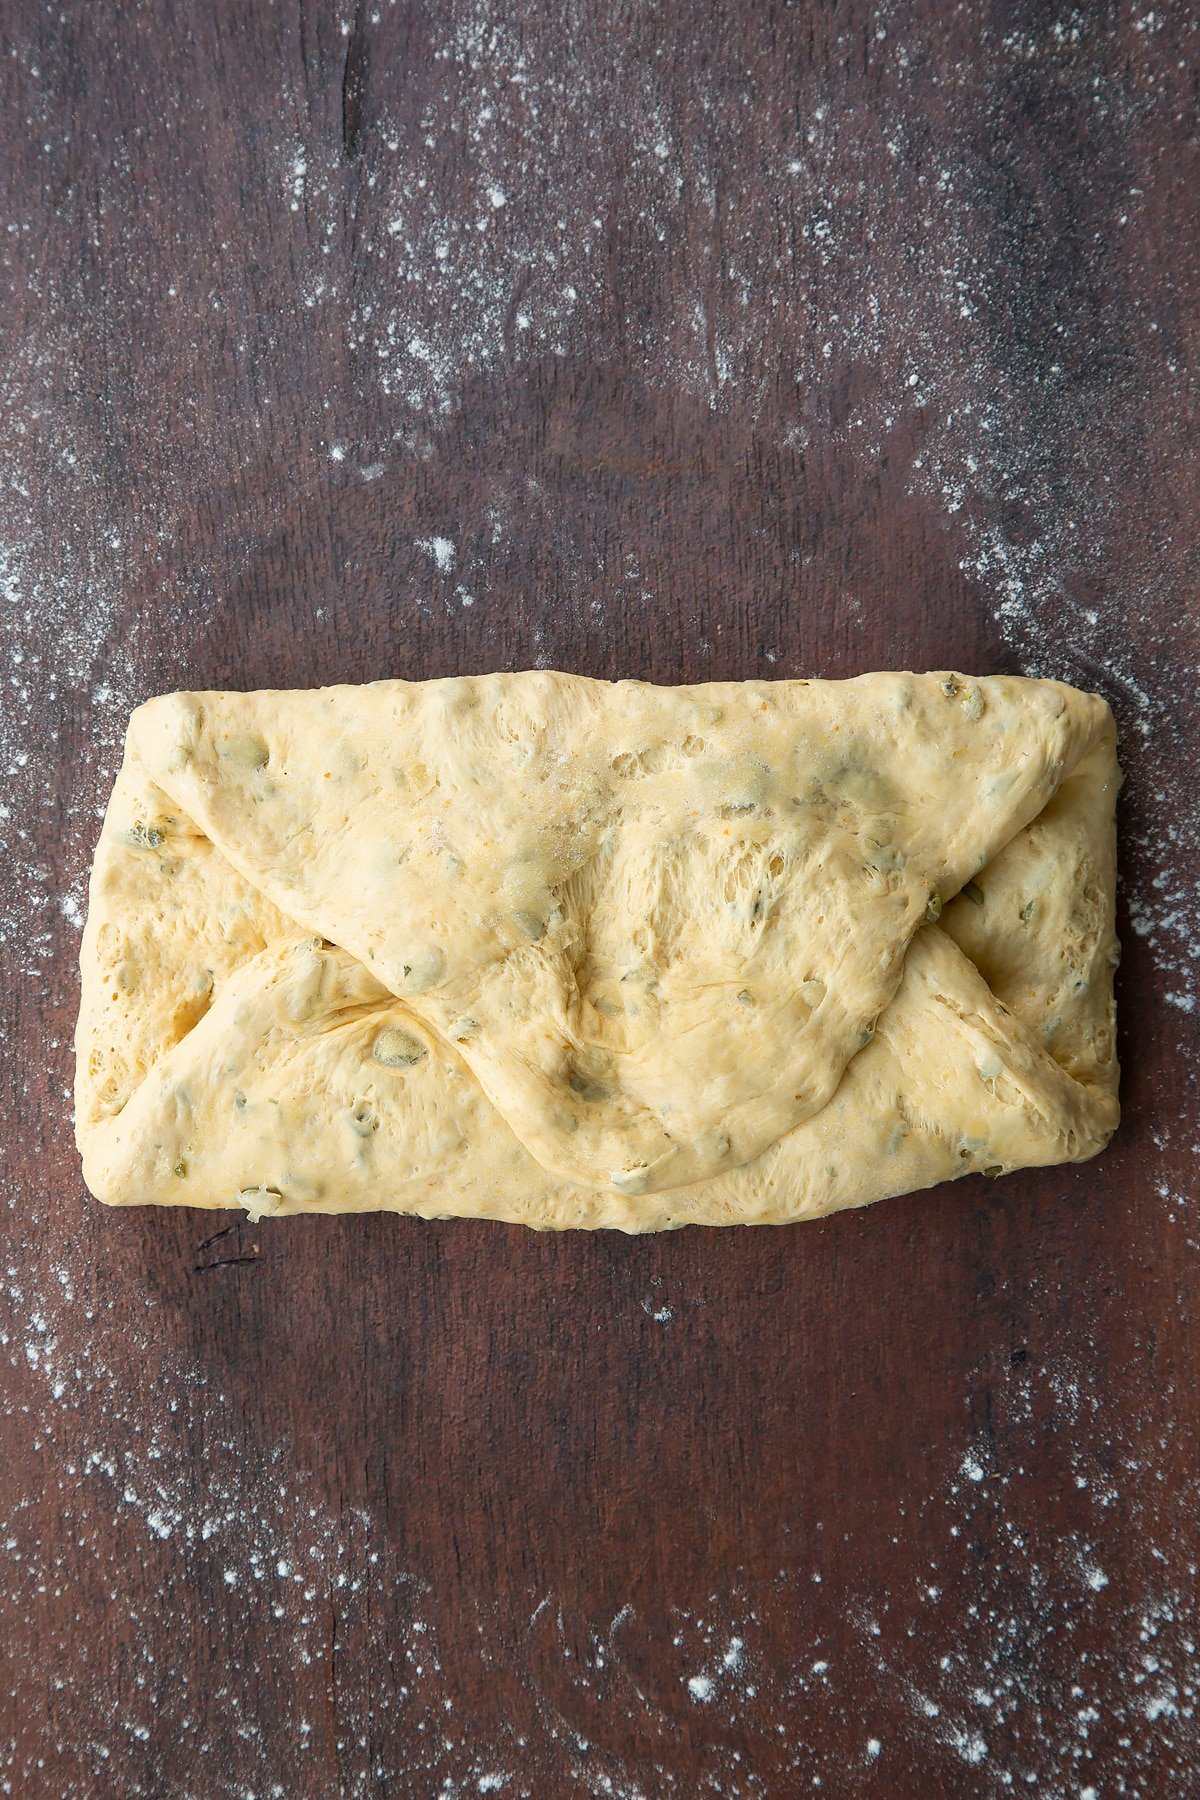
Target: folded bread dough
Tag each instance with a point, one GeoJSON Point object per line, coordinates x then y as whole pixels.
{"type": "Point", "coordinates": [577, 953]}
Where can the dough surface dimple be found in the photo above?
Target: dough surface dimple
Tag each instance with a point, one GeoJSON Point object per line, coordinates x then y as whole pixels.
{"type": "Point", "coordinates": [640, 937]}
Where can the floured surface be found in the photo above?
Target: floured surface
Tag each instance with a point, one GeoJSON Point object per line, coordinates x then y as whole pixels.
{"type": "Point", "coordinates": [657, 417]}
{"type": "Point", "coordinates": [599, 954]}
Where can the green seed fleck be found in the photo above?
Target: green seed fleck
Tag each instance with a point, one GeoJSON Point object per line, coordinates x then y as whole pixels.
{"type": "Point", "coordinates": [746, 997]}
{"type": "Point", "coordinates": [397, 1049]}
{"type": "Point", "coordinates": [973, 893]}
{"type": "Point", "coordinates": [1027, 912]}
{"type": "Point", "coordinates": [933, 908]}
{"type": "Point", "coordinates": [530, 925]}
{"type": "Point", "coordinates": [585, 1087]}
{"type": "Point", "coordinates": [181, 1167]}
{"type": "Point", "coordinates": [245, 749]}
{"type": "Point", "coordinates": [992, 1170]}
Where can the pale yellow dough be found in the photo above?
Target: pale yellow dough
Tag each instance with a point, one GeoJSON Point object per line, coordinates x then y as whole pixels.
{"type": "Point", "coordinates": [569, 952]}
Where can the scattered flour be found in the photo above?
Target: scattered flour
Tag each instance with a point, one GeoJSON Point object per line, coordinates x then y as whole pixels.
{"type": "Point", "coordinates": [914, 355]}
{"type": "Point", "coordinates": [442, 551]}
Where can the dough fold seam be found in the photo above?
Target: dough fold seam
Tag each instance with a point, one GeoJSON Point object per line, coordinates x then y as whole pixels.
{"type": "Point", "coordinates": [567, 952]}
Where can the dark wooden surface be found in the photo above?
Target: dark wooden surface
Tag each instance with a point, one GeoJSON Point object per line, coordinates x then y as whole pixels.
{"type": "Point", "coordinates": [713, 340]}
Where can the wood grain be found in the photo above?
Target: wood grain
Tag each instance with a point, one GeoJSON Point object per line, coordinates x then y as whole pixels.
{"type": "Point", "coordinates": [682, 340]}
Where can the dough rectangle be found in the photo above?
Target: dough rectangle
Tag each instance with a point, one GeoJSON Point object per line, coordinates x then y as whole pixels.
{"type": "Point", "coordinates": [576, 953]}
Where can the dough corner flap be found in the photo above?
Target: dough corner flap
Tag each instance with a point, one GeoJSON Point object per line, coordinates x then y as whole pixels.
{"type": "Point", "coordinates": [576, 953]}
